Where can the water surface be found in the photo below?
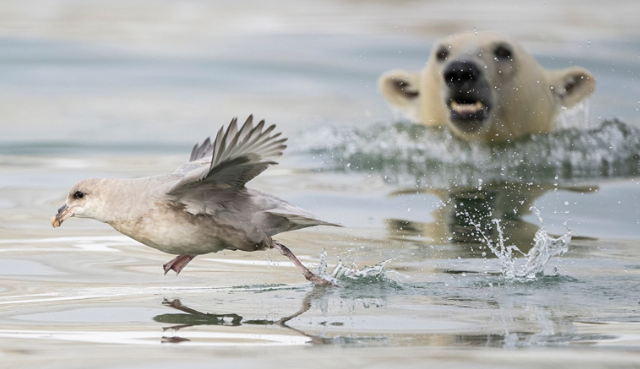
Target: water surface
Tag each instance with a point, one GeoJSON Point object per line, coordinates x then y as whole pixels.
{"type": "Point", "coordinates": [110, 95]}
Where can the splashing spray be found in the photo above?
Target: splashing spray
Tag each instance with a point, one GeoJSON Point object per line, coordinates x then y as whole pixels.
{"type": "Point", "coordinates": [545, 247]}
{"type": "Point", "coordinates": [353, 275]}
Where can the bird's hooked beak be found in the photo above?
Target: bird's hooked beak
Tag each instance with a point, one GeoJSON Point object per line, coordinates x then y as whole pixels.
{"type": "Point", "coordinates": [64, 213]}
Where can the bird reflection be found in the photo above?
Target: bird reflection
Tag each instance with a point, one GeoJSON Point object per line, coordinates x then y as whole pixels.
{"type": "Point", "coordinates": [517, 323]}
{"type": "Point", "coordinates": [467, 211]}
{"type": "Point", "coordinates": [191, 317]}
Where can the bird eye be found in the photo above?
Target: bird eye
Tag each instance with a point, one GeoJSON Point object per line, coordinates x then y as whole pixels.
{"type": "Point", "coordinates": [502, 52]}
{"type": "Point", "coordinates": [78, 195]}
{"type": "Point", "coordinates": [442, 54]}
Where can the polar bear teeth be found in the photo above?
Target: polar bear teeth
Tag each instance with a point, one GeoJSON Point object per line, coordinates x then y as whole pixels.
{"type": "Point", "coordinates": [466, 108]}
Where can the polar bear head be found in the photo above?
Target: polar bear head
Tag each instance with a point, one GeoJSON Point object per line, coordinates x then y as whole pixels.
{"type": "Point", "coordinates": [485, 87]}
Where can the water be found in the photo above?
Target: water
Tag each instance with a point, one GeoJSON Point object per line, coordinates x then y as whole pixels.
{"type": "Point", "coordinates": [544, 248]}
{"type": "Point", "coordinates": [408, 154]}
{"type": "Point", "coordinates": [442, 260]}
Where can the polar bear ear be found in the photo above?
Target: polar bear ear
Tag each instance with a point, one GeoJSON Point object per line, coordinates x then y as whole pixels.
{"type": "Point", "coordinates": [572, 85]}
{"type": "Point", "coordinates": [401, 89]}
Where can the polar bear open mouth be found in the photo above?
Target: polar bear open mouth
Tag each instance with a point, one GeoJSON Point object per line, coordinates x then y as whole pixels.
{"type": "Point", "coordinates": [468, 113]}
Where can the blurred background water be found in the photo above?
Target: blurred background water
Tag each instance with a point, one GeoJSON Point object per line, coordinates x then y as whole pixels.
{"type": "Point", "coordinates": [142, 70]}
{"type": "Point", "coordinates": [125, 88]}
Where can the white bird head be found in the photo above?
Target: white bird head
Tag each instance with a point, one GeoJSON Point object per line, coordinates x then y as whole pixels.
{"type": "Point", "coordinates": [83, 201]}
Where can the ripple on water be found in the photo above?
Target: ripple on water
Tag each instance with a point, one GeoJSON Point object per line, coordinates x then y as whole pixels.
{"type": "Point", "coordinates": [26, 267]}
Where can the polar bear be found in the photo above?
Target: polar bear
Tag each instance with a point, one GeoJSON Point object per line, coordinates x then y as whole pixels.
{"type": "Point", "coordinates": [485, 87]}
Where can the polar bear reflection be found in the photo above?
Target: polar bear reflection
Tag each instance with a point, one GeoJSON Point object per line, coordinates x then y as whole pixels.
{"type": "Point", "coordinates": [464, 210]}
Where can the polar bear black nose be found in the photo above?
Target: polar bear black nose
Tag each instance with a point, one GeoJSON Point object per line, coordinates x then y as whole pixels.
{"type": "Point", "coordinates": [459, 73]}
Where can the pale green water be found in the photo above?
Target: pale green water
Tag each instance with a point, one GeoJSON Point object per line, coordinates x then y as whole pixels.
{"type": "Point", "coordinates": [124, 90]}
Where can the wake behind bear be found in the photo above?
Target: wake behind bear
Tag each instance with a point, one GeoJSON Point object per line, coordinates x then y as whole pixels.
{"type": "Point", "coordinates": [486, 88]}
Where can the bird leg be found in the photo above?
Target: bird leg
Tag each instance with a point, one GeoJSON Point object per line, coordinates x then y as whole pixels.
{"type": "Point", "coordinates": [284, 250]}
{"type": "Point", "coordinates": [178, 263]}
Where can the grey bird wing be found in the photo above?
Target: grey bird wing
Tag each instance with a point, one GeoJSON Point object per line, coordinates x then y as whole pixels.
{"type": "Point", "coordinates": [299, 221]}
{"type": "Point", "coordinates": [212, 183]}
{"type": "Point", "coordinates": [232, 159]}
{"type": "Point", "coordinates": [253, 213]}
{"type": "Point", "coordinates": [279, 210]}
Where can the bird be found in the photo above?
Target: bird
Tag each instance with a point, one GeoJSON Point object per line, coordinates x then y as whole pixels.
{"type": "Point", "coordinates": [203, 206]}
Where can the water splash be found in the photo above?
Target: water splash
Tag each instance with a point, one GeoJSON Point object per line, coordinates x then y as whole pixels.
{"type": "Point", "coordinates": [410, 154]}
{"type": "Point", "coordinates": [545, 247]}
{"type": "Point", "coordinates": [576, 117]}
{"type": "Point", "coordinates": [350, 274]}
{"type": "Point", "coordinates": [366, 273]}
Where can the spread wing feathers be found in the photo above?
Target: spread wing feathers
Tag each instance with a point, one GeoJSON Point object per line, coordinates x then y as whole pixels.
{"type": "Point", "coordinates": [234, 157]}
{"type": "Point", "coordinates": [201, 151]}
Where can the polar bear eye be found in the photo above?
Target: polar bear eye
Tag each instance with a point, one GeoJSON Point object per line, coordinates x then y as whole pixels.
{"type": "Point", "coordinates": [442, 54]}
{"type": "Point", "coordinates": [502, 52]}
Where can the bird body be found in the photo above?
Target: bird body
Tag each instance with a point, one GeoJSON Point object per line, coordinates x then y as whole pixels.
{"type": "Point", "coordinates": [232, 219]}
{"type": "Point", "coordinates": [202, 207]}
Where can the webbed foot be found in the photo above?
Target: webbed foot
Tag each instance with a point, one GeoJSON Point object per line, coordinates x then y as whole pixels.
{"type": "Point", "coordinates": [178, 263]}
